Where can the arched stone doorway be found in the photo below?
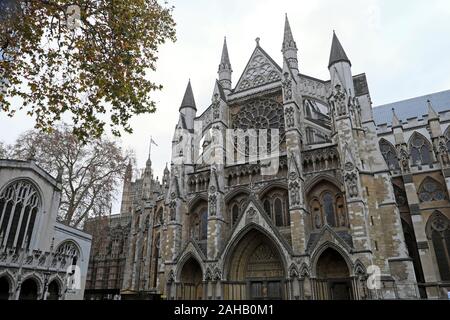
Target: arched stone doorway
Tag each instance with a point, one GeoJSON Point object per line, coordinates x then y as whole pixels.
{"type": "Point", "coordinates": [4, 288]}
{"type": "Point", "coordinates": [191, 286]}
{"type": "Point", "coordinates": [256, 270]}
{"type": "Point", "coordinates": [333, 277]}
{"type": "Point", "coordinates": [29, 290]}
{"type": "Point", "coordinates": [53, 290]}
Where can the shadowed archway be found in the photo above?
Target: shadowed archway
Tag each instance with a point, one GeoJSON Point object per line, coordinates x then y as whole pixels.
{"type": "Point", "coordinates": [333, 276]}
{"type": "Point", "coordinates": [5, 288]}
{"type": "Point", "coordinates": [255, 269]}
{"type": "Point", "coordinates": [29, 290]}
{"type": "Point", "coordinates": [191, 277]}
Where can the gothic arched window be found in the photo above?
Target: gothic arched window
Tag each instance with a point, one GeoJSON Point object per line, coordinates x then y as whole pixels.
{"type": "Point", "coordinates": [327, 206]}
{"type": "Point", "coordinates": [438, 230]}
{"type": "Point", "coordinates": [276, 205]}
{"type": "Point", "coordinates": [278, 209]}
{"type": "Point", "coordinates": [389, 154]}
{"type": "Point", "coordinates": [70, 249]}
{"type": "Point", "coordinates": [19, 205]}
{"type": "Point", "coordinates": [431, 190]}
{"type": "Point", "coordinates": [420, 150]}
{"type": "Point", "coordinates": [447, 138]}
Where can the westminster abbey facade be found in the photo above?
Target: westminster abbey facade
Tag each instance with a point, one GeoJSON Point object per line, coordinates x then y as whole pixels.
{"type": "Point", "coordinates": [354, 203]}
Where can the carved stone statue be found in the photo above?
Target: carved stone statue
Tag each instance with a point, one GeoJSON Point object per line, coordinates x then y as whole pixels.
{"type": "Point", "coordinates": [443, 152]}
{"type": "Point", "coordinates": [351, 180]}
{"type": "Point", "coordinates": [404, 157]}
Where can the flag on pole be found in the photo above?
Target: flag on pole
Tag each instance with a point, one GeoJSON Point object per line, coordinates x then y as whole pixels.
{"type": "Point", "coordinates": [153, 141]}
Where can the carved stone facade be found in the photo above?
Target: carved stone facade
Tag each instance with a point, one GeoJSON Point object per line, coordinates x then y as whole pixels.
{"type": "Point", "coordinates": [40, 258]}
{"type": "Point", "coordinates": [334, 208]}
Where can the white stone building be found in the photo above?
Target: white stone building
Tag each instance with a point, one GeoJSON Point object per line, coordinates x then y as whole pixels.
{"type": "Point", "coordinates": [39, 257]}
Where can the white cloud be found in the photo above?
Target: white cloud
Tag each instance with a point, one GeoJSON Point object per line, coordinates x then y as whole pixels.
{"type": "Point", "coordinates": [401, 45]}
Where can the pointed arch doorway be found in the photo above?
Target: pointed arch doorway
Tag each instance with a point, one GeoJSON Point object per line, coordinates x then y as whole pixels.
{"type": "Point", "coordinates": [191, 286]}
{"type": "Point", "coordinates": [255, 269]}
{"type": "Point", "coordinates": [333, 277]}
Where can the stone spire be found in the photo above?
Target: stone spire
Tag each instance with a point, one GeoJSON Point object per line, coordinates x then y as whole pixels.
{"type": "Point", "coordinates": [337, 53]}
{"type": "Point", "coordinates": [188, 108]}
{"type": "Point", "coordinates": [340, 68]}
{"type": "Point", "coordinates": [289, 47]}
{"type": "Point", "coordinates": [225, 70]}
{"type": "Point", "coordinates": [188, 99]}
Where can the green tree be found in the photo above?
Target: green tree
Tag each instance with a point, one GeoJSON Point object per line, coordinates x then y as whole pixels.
{"type": "Point", "coordinates": [95, 68]}
{"type": "Point", "coordinates": [90, 172]}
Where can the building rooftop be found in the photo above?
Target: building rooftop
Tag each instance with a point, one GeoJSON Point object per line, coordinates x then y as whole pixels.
{"type": "Point", "coordinates": [412, 108]}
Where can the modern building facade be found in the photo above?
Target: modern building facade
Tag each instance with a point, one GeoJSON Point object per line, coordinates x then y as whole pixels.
{"type": "Point", "coordinates": [353, 203]}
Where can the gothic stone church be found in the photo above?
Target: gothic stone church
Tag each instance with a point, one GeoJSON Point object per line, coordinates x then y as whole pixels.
{"type": "Point", "coordinates": [357, 191]}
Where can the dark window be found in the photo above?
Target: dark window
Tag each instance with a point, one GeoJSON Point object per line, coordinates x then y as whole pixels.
{"type": "Point", "coordinates": [278, 206]}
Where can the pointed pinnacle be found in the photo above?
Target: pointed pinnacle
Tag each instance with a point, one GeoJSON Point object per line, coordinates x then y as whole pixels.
{"type": "Point", "coordinates": [395, 120]}
{"type": "Point", "coordinates": [188, 99]}
{"type": "Point", "coordinates": [337, 53]}
{"type": "Point", "coordinates": [432, 114]}
{"type": "Point", "coordinates": [288, 40]}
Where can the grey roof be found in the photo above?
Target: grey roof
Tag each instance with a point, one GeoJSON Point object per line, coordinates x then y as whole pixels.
{"type": "Point", "coordinates": [337, 53]}
{"type": "Point", "coordinates": [188, 99]}
{"type": "Point", "coordinates": [412, 108]}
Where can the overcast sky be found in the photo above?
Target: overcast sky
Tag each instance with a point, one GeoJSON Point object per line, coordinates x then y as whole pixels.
{"type": "Point", "coordinates": [402, 46]}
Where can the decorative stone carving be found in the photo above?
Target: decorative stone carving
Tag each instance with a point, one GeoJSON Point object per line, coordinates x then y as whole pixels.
{"type": "Point", "coordinates": [216, 107]}
{"type": "Point", "coordinates": [290, 118]}
{"type": "Point", "coordinates": [251, 212]}
{"type": "Point", "coordinates": [212, 204]}
{"type": "Point", "coordinates": [404, 157]}
{"type": "Point", "coordinates": [442, 151]}
{"type": "Point", "coordinates": [294, 190]}
{"type": "Point", "coordinates": [351, 180]}
{"type": "Point", "coordinates": [287, 87]}
{"type": "Point", "coordinates": [439, 224]}
{"type": "Point", "coordinates": [172, 210]}
{"type": "Point", "coordinates": [259, 71]}
{"type": "Point", "coordinates": [338, 101]}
